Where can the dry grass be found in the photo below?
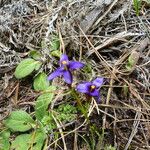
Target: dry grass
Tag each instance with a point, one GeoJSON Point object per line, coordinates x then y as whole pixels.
{"type": "Point", "coordinates": [103, 35]}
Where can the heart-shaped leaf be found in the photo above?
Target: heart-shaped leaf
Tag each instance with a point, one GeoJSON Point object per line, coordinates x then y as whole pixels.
{"type": "Point", "coordinates": [33, 141]}
{"type": "Point", "coordinates": [21, 142]}
{"type": "Point", "coordinates": [19, 121]}
{"type": "Point", "coordinates": [41, 82]}
{"type": "Point", "coordinates": [26, 67]}
{"type": "Point", "coordinates": [43, 101]}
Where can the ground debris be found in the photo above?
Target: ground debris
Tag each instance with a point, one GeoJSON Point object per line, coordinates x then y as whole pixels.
{"type": "Point", "coordinates": [108, 36]}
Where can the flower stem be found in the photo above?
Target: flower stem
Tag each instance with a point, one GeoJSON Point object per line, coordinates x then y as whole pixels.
{"type": "Point", "coordinates": [80, 106]}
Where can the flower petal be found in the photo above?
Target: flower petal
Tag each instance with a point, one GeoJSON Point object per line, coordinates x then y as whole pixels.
{"type": "Point", "coordinates": [63, 57]}
{"type": "Point", "coordinates": [55, 74]}
{"type": "Point", "coordinates": [67, 76]}
{"type": "Point", "coordinates": [75, 65]}
{"type": "Point", "coordinates": [94, 93]}
{"type": "Point", "coordinates": [84, 87]}
{"type": "Point", "coordinates": [98, 82]}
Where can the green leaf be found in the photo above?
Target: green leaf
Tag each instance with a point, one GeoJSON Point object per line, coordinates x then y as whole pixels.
{"type": "Point", "coordinates": [35, 55]}
{"type": "Point", "coordinates": [42, 103]}
{"type": "Point", "coordinates": [56, 53]}
{"type": "Point", "coordinates": [132, 60]}
{"type": "Point", "coordinates": [48, 123]}
{"type": "Point", "coordinates": [25, 68]}
{"type": "Point", "coordinates": [4, 140]}
{"type": "Point", "coordinates": [41, 82]}
{"type": "Point", "coordinates": [22, 142]}
{"type": "Point", "coordinates": [87, 69]}
{"type": "Point", "coordinates": [137, 5]}
{"type": "Point", "coordinates": [66, 113]}
{"type": "Point", "coordinates": [38, 65]}
{"type": "Point", "coordinates": [32, 141]}
{"type": "Point", "coordinates": [109, 147]}
{"type": "Point", "coordinates": [55, 43]}
{"type": "Point", "coordinates": [40, 136]}
{"type": "Point", "coordinates": [19, 121]}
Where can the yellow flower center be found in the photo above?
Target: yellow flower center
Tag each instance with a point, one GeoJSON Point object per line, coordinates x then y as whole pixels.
{"type": "Point", "coordinates": [93, 87]}
{"type": "Point", "coordinates": [64, 62]}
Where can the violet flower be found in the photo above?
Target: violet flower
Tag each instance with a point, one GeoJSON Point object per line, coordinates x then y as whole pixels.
{"type": "Point", "coordinates": [91, 88]}
{"type": "Point", "coordinates": [65, 69]}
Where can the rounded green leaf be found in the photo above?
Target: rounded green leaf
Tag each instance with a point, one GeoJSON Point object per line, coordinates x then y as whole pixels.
{"type": "Point", "coordinates": [42, 103]}
{"type": "Point", "coordinates": [19, 121]}
{"type": "Point", "coordinates": [41, 82]}
{"type": "Point", "coordinates": [35, 54]}
{"type": "Point", "coordinates": [4, 140]}
{"type": "Point", "coordinates": [38, 66]}
{"type": "Point", "coordinates": [22, 142]}
{"type": "Point", "coordinates": [25, 68]}
{"type": "Point", "coordinates": [26, 141]}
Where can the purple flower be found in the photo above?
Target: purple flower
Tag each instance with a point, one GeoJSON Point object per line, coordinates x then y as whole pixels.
{"type": "Point", "coordinates": [65, 69]}
{"type": "Point", "coordinates": [91, 88]}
